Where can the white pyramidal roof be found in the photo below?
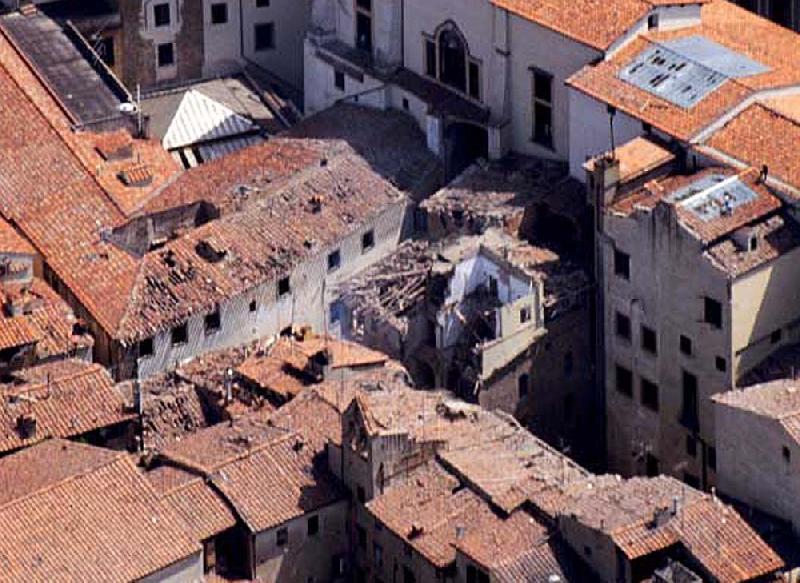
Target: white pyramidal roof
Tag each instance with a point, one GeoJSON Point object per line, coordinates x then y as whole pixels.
{"type": "Point", "coordinates": [201, 119]}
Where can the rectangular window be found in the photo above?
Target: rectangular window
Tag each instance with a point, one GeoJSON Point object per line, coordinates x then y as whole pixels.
{"type": "Point", "coordinates": [377, 552]}
{"type": "Point", "coordinates": [262, 3]}
{"type": "Point", "coordinates": [651, 465]}
{"type": "Point", "coordinates": [649, 342]}
{"type": "Point", "coordinates": [624, 378]}
{"type": "Point", "coordinates": [650, 395]}
{"type": "Point", "coordinates": [691, 480]}
{"type": "Point", "coordinates": [430, 58]}
{"type": "Point", "coordinates": [283, 287]}
{"type": "Point", "coordinates": [524, 314]}
{"type": "Point", "coordinates": [312, 525]}
{"type": "Point", "coordinates": [691, 446]}
{"type": "Point", "coordinates": [161, 14]}
{"type": "Point", "coordinates": [364, 25]}
{"type": "Point", "coordinates": [776, 336]}
{"type": "Point", "coordinates": [180, 334]}
{"type": "Point", "coordinates": [336, 312]}
{"type": "Point", "coordinates": [166, 55]}
{"type": "Point", "coordinates": [543, 108]}
{"type": "Point", "coordinates": [622, 264]}
{"type": "Point", "coordinates": [689, 413]}
{"type": "Point", "coordinates": [686, 345]}
{"type": "Point", "coordinates": [367, 241]}
{"type": "Point", "coordinates": [219, 13]}
{"type": "Point", "coordinates": [712, 312]}
{"type": "Point", "coordinates": [264, 36]}
{"type": "Point", "coordinates": [522, 386]}
{"type": "Point", "coordinates": [474, 80]}
{"type": "Point", "coordinates": [338, 80]}
{"type": "Point", "coordinates": [623, 326]}
{"type": "Point", "coordinates": [362, 537]}
{"type": "Point", "coordinates": [711, 458]}
{"type": "Point", "coordinates": [146, 347]}
{"type": "Point", "coordinates": [721, 364]}
{"type": "Point", "coordinates": [334, 260]}
{"type": "Point", "coordinates": [253, 306]}
{"type": "Point", "coordinates": [212, 322]}
{"type": "Point", "coordinates": [105, 49]}
{"type": "Point", "coordinates": [282, 536]}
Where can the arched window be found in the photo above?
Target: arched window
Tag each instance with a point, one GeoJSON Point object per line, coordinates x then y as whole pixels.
{"type": "Point", "coordinates": [447, 59]}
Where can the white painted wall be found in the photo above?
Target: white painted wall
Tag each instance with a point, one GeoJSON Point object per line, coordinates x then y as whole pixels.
{"type": "Point", "coordinates": [589, 131]}
{"type": "Point", "coordinates": [189, 570]}
{"type": "Point", "coordinates": [222, 41]}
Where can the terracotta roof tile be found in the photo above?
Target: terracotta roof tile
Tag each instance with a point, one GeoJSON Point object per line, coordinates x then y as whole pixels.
{"type": "Point", "coordinates": [101, 521]}
{"type": "Point", "coordinates": [12, 242]}
{"type": "Point", "coordinates": [596, 23]}
{"type": "Point", "coordinates": [722, 22]}
{"type": "Point", "coordinates": [79, 397]}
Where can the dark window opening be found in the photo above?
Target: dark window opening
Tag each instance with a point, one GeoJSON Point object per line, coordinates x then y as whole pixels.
{"type": "Point", "coordinates": [364, 30]}
{"type": "Point", "coordinates": [712, 458]}
{"type": "Point", "coordinates": [543, 108]}
{"type": "Point", "coordinates": [367, 241]}
{"type": "Point", "coordinates": [623, 326]}
{"type": "Point", "coordinates": [649, 342]}
{"type": "Point", "coordinates": [262, 3]}
{"type": "Point", "coordinates": [474, 80]}
{"type": "Point", "coordinates": [212, 322]}
{"type": "Point", "coordinates": [219, 13]}
{"type": "Point", "coordinates": [362, 537]}
{"type": "Point", "coordinates": [721, 364]}
{"type": "Point", "coordinates": [408, 576]}
{"type": "Point", "coordinates": [361, 496]}
{"type": "Point", "coordinates": [524, 314]}
{"type": "Point", "coordinates": [264, 36]}
{"type": "Point", "coordinates": [180, 334]}
{"type": "Point", "coordinates": [283, 286]}
{"type": "Point", "coordinates": [787, 454]}
{"type": "Point", "coordinates": [336, 311]}
{"type": "Point", "coordinates": [685, 345]}
{"type": "Point", "coordinates": [282, 536]}
{"type": "Point", "coordinates": [430, 58]}
{"type": "Point", "coordinates": [334, 260]}
{"type": "Point", "coordinates": [476, 575]}
{"type": "Point", "coordinates": [161, 14]}
{"type": "Point", "coordinates": [776, 336]}
{"type": "Point", "coordinates": [652, 21]}
{"type": "Point", "coordinates": [104, 47]}
{"type": "Point", "coordinates": [712, 312]}
{"type": "Point", "coordinates": [313, 525]}
{"type": "Point", "coordinates": [452, 60]}
{"type": "Point", "coordinates": [522, 385]}
{"type": "Point", "coordinates": [622, 264]}
{"type": "Point", "coordinates": [253, 306]}
{"type": "Point", "coordinates": [651, 465]}
{"type": "Point", "coordinates": [338, 80]}
{"type": "Point", "coordinates": [166, 55]}
{"type": "Point", "coordinates": [691, 480]}
{"type": "Point", "coordinates": [146, 347]}
{"type": "Point", "coordinates": [650, 395]}
{"type": "Point", "coordinates": [624, 378]}
{"type": "Point", "coordinates": [689, 413]}
{"type": "Point", "coordinates": [691, 446]}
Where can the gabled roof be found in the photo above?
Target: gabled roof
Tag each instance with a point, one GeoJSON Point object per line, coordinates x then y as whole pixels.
{"type": "Point", "coordinates": [201, 119]}
{"type": "Point", "coordinates": [67, 398]}
{"type": "Point", "coordinates": [738, 30]}
{"type": "Point", "coordinates": [85, 515]}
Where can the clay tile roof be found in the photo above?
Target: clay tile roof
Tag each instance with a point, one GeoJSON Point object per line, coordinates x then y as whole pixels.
{"type": "Point", "coordinates": [429, 513]}
{"type": "Point", "coordinates": [17, 331]}
{"type": "Point", "coordinates": [638, 157]}
{"type": "Point", "coordinates": [12, 242]}
{"type": "Point", "coordinates": [596, 23]}
{"type": "Point", "coordinates": [67, 398]}
{"type": "Point", "coordinates": [96, 520]}
{"type": "Point", "coordinates": [759, 136]}
{"type": "Point", "coordinates": [203, 509]}
{"type": "Point", "coordinates": [722, 22]}
{"type": "Point", "coordinates": [498, 541]}
{"type": "Point", "coordinates": [277, 482]}
{"type": "Point", "coordinates": [776, 399]}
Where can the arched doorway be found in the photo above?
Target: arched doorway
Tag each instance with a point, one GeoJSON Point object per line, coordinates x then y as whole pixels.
{"type": "Point", "coordinates": [464, 143]}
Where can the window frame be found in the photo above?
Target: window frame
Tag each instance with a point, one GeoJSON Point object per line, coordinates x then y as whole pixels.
{"type": "Point", "coordinates": [649, 394]}
{"type": "Point", "coordinates": [627, 373]}
{"type": "Point", "coordinates": [159, 63]}
{"type": "Point", "coordinates": [217, 6]}
{"type": "Point", "coordinates": [646, 333]}
{"type": "Point", "coordinates": [282, 537]}
{"type": "Point", "coordinates": [145, 342]}
{"type": "Point", "coordinates": [284, 287]}
{"type": "Point", "coordinates": [338, 76]}
{"type": "Point", "coordinates": [258, 48]}
{"type": "Point", "coordinates": [712, 312]}
{"type": "Point", "coordinates": [537, 73]}
{"type": "Point", "coordinates": [176, 332]}
{"type": "Point", "coordinates": [367, 14]}
{"type": "Point", "coordinates": [212, 322]}
{"type": "Point", "coordinates": [368, 241]}
{"type": "Point", "coordinates": [162, 24]}
{"type": "Point", "coordinates": [622, 326]}
{"type": "Point", "coordinates": [620, 255]}
{"type": "Point", "coordinates": [334, 260]}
